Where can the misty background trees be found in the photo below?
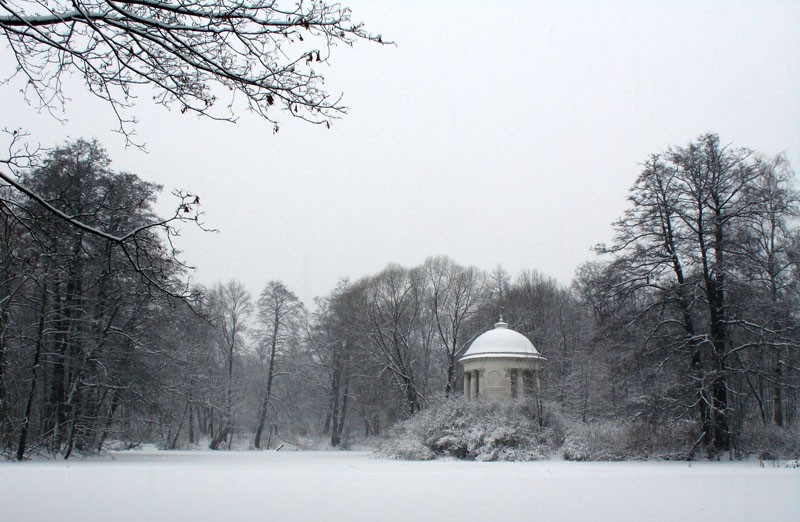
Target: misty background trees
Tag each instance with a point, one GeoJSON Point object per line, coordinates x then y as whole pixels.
{"type": "Point", "coordinates": [684, 332]}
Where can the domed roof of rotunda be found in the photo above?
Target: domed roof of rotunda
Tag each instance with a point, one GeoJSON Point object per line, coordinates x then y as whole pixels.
{"type": "Point", "coordinates": [502, 341]}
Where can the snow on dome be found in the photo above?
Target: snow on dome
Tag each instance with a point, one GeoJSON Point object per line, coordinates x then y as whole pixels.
{"type": "Point", "coordinates": [501, 342]}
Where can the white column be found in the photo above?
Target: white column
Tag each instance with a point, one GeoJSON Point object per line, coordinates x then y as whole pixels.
{"type": "Point", "coordinates": [473, 387]}
{"type": "Point", "coordinates": [467, 379]}
{"type": "Point", "coordinates": [520, 384]}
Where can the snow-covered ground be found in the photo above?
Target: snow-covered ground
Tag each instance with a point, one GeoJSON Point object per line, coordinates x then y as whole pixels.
{"type": "Point", "coordinates": [286, 486]}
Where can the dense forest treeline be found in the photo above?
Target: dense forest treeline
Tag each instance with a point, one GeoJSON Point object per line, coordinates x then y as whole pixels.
{"type": "Point", "coordinates": [686, 325]}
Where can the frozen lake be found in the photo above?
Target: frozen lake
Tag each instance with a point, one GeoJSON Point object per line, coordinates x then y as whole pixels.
{"type": "Point", "coordinates": [150, 485]}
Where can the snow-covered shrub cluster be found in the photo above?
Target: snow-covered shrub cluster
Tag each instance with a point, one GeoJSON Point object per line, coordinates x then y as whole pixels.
{"type": "Point", "coordinates": [771, 442]}
{"type": "Point", "coordinates": [623, 440]}
{"type": "Point", "coordinates": [481, 431]}
{"type": "Point", "coordinates": [407, 448]}
{"type": "Point", "coordinates": [515, 431]}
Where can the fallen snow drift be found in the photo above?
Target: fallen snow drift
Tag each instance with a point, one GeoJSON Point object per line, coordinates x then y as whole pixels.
{"type": "Point", "coordinates": [151, 485]}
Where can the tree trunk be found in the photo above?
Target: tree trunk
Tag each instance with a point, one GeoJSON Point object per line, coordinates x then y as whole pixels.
{"type": "Point", "coordinates": [451, 374]}
{"type": "Point", "coordinates": [778, 415]}
{"type": "Point", "coordinates": [262, 417]}
{"type": "Point", "coordinates": [334, 407]}
{"type": "Point", "coordinates": [109, 419]}
{"type": "Point", "coordinates": [336, 435]}
{"type": "Point", "coordinates": [191, 424]}
{"type": "Point", "coordinates": [23, 433]}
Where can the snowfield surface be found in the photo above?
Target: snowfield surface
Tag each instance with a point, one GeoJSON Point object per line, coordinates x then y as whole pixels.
{"type": "Point", "coordinates": [150, 485]}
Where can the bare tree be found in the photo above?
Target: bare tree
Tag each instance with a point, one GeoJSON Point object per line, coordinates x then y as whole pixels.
{"type": "Point", "coordinates": [208, 57]}
{"type": "Point", "coordinates": [334, 340]}
{"type": "Point", "coordinates": [699, 257]}
{"type": "Point", "coordinates": [455, 294]}
{"type": "Point", "coordinates": [76, 316]}
{"type": "Point", "coordinates": [763, 248]}
{"type": "Point", "coordinates": [394, 303]}
{"type": "Point", "coordinates": [231, 306]}
{"type": "Point", "coordinates": [280, 315]}
{"type": "Point", "coordinates": [190, 52]}
{"type": "Point", "coordinates": [356, 383]}
{"type": "Point", "coordinates": [130, 238]}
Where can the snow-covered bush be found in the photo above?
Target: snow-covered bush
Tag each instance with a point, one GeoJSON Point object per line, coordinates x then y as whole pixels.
{"type": "Point", "coordinates": [624, 440]}
{"type": "Point", "coordinates": [667, 440]}
{"type": "Point", "coordinates": [576, 447]}
{"type": "Point", "coordinates": [485, 431]}
{"type": "Point", "coordinates": [596, 441]}
{"type": "Point", "coordinates": [406, 448]}
{"type": "Point", "coordinates": [516, 431]}
{"type": "Point", "coordinates": [770, 442]}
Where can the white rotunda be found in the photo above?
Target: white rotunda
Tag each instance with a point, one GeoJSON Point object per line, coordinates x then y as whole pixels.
{"type": "Point", "coordinates": [501, 364]}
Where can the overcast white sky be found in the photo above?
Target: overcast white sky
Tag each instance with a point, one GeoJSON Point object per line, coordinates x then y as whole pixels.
{"type": "Point", "coordinates": [494, 132]}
